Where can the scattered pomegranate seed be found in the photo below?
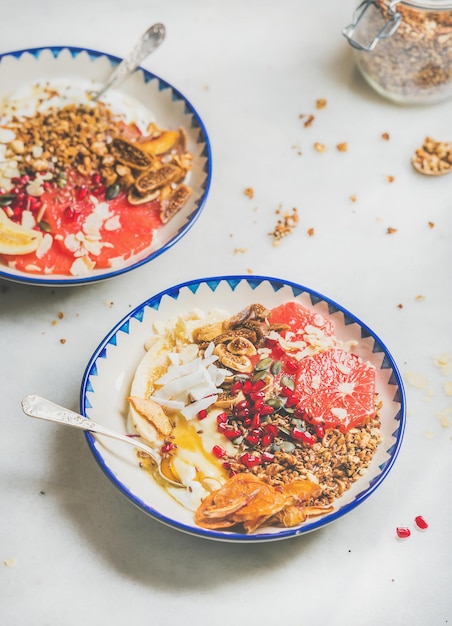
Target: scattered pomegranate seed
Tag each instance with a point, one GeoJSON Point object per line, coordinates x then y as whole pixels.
{"type": "Point", "coordinates": [403, 532]}
{"type": "Point", "coordinates": [222, 418]}
{"type": "Point", "coordinates": [167, 447]}
{"type": "Point", "coordinates": [267, 457]}
{"type": "Point", "coordinates": [231, 433]}
{"type": "Point", "coordinates": [252, 439]}
{"type": "Point", "coordinates": [320, 431]}
{"type": "Point", "coordinates": [420, 522]}
{"type": "Point", "coordinates": [202, 414]}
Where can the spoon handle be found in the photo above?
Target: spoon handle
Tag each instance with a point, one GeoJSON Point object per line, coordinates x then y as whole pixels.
{"type": "Point", "coordinates": [147, 43]}
{"type": "Point", "coordinates": [36, 406]}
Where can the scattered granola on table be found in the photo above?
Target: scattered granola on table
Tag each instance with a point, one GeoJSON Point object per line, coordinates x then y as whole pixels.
{"type": "Point", "coordinates": [285, 225]}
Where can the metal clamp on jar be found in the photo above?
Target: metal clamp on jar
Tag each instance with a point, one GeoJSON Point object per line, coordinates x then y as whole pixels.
{"type": "Point", "coordinates": [404, 48]}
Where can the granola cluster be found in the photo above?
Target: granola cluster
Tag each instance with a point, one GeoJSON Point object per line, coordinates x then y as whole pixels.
{"type": "Point", "coordinates": [414, 64]}
{"type": "Point", "coordinates": [433, 157]}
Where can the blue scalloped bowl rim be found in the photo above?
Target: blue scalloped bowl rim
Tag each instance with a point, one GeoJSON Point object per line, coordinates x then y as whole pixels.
{"type": "Point", "coordinates": [122, 327]}
{"type": "Point", "coordinates": [191, 219]}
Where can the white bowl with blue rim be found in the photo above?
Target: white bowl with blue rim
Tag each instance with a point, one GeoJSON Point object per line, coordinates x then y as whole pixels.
{"type": "Point", "coordinates": [109, 373]}
{"type": "Point", "coordinates": [167, 106]}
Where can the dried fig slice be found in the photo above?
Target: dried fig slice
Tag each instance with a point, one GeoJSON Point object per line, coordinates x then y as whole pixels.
{"type": "Point", "coordinates": [151, 180]}
{"type": "Point", "coordinates": [130, 154]}
{"type": "Point", "coordinates": [174, 203]}
{"type": "Point", "coordinates": [161, 143]}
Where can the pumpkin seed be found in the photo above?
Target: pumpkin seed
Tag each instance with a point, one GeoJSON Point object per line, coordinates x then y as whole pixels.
{"type": "Point", "coordinates": [6, 199]}
{"type": "Point", "coordinates": [288, 382]}
{"type": "Point", "coordinates": [45, 226]}
{"type": "Point", "coordinates": [284, 431]}
{"type": "Point", "coordinates": [264, 364]}
{"type": "Point", "coordinates": [287, 446]}
{"type": "Point", "coordinates": [276, 368]}
{"type": "Point", "coordinates": [275, 402]}
{"type": "Point", "coordinates": [112, 191]}
{"type": "Point", "coordinates": [259, 375]}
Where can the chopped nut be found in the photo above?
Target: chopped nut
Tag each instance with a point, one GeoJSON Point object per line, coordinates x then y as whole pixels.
{"type": "Point", "coordinates": [319, 147]}
{"type": "Point", "coordinates": [284, 226]}
{"type": "Point", "coordinates": [310, 232]}
{"type": "Point", "coordinates": [385, 136]}
{"type": "Point", "coordinates": [320, 103]}
{"type": "Point", "coordinates": [391, 230]}
{"type": "Point", "coordinates": [342, 147]}
{"type": "Point", "coordinates": [353, 198]}
{"type": "Point", "coordinates": [390, 179]}
{"type": "Point", "coordinates": [249, 191]}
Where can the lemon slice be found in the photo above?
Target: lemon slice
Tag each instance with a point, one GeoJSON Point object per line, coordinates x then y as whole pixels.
{"type": "Point", "coordinates": [15, 239]}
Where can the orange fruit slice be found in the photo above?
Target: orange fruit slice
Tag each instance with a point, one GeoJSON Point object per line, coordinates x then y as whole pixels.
{"type": "Point", "coordinates": [336, 389]}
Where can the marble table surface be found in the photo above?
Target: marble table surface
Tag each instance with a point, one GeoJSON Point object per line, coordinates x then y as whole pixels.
{"type": "Point", "coordinates": [373, 235]}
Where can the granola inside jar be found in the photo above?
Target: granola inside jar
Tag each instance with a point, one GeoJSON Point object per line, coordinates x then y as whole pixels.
{"type": "Point", "coordinates": [404, 48]}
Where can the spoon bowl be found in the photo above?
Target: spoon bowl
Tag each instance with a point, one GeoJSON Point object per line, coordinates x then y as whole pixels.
{"type": "Point", "coordinates": [36, 406]}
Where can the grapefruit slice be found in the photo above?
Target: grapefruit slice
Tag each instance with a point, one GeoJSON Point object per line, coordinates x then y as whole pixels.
{"type": "Point", "coordinates": [299, 318]}
{"type": "Point", "coordinates": [336, 389]}
{"type": "Point", "coordinates": [16, 239]}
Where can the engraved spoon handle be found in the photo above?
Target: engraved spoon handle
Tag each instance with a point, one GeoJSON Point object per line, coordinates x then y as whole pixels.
{"type": "Point", "coordinates": [147, 43]}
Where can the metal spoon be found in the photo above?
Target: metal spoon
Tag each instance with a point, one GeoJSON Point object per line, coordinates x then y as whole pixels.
{"type": "Point", "coordinates": [147, 43]}
{"type": "Point", "coordinates": [434, 158]}
{"type": "Point", "coordinates": [35, 406]}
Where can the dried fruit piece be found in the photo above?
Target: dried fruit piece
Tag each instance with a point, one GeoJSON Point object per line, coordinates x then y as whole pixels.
{"type": "Point", "coordinates": [161, 143]}
{"type": "Point", "coordinates": [174, 203]}
{"type": "Point", "coordinates": [130, 154]}
{"type": "Point", "coordinates": [154, 179]}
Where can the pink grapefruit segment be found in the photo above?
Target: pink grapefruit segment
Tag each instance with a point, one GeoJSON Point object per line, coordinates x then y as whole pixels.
{"type": "Point", "coordinates": [299, 318]}
{"type": "Point", "coordinates": [336, 389]}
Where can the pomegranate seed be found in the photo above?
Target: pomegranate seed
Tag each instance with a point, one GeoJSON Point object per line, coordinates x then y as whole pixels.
{"type": "Point", "coordinates": [258, 386]}
{"type": "Point", "coordinates": [202, 414]}
{"type": "Point", "coordinates": [266, 409]}
{"type": "Point", "coordinates": [256, 421]}
{"type": "Point", "coordinates": [252, 439]}
{"type": "Point", "coordinates": [243, 414]}
{"type": "Point", "coordinates": [70, 212]}
{"type": "Point", "coordinates": [241, 406]}
{"type": "Point", "coordinates": [291, 366]}
{"type": "Point", "coordinates": [46, 184]}
{"type": "Point", "coordinates": [96, 178]}
{"type": "Point", "coordinates": [267, 457]}
{"type": "Point", "coordinates": [222, 427]}
{"type": "Point", "coordinates": [292, 400]}
{"type": "Point", "coordinates": [420, 522]}
{"type": "Point", "coordinates": [320, 431]}
{"type": "Point", "coordinates": [167, 447]}
{"type": "Point", "coordinates": [286, 392]}
{"type": "Point", "coordinates": [35, 203]}
{"type": "Point", "coordinates": [403, 532]}
{"type": "Point", "coordinates": [236, 387]}
{"type": "Point", "coordinates": [250, 460]}
{"type": "Point", "coordinates": [247, 421]}
{"type": "Point", "coordinates": [271, 430]}
{"type": "Point", "coordinates": [81, 192]}
{"type": "Point", "coordinates": [24, 179]}
{"type": "Point", "coordinates": [304, 436]}
{"type": "Point", "coordinates": [266, 440]}
{"type": "Point", "coordinates": [231, 433]}
{"type": "Point", "coordinates": [226, 465]}
{"type": "Point", "coordinates": [247, 386]}
{"type": "Point", "coordinates": [221, 418]}
{"type": "Point", "coordinates": [218, 451]}
{"type": "Point", "coordinates": [98, 191]}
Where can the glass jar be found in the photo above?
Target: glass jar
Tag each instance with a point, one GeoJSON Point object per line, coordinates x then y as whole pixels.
{"type": "Point", "coordinates": [404, 48]}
